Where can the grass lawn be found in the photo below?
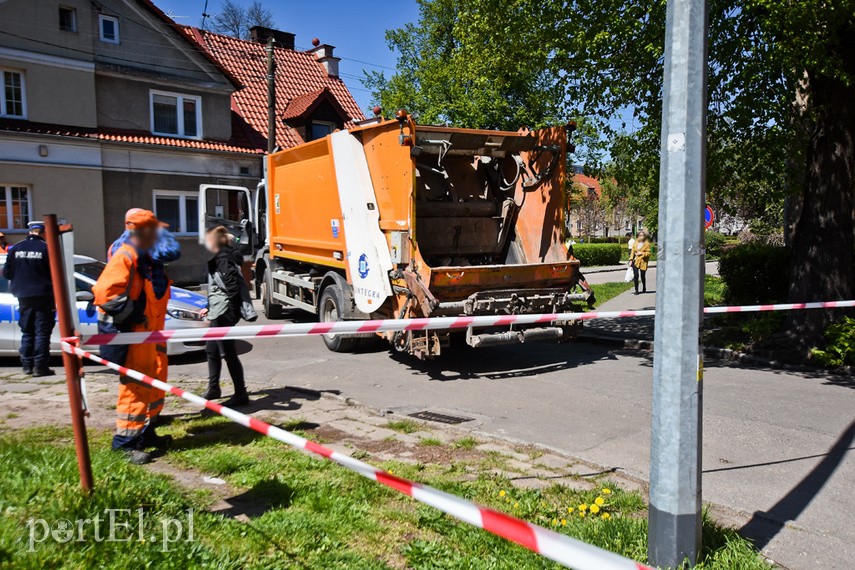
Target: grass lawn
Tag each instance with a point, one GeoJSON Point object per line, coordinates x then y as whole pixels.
{"type": "Point", "coordinates": [606, 291]}
{"type": "Point", "coordinates": [308, 513]}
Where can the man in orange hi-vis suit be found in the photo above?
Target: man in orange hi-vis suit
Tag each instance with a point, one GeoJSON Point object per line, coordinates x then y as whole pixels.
{"type": "Point", "coordinates": [132, 294]}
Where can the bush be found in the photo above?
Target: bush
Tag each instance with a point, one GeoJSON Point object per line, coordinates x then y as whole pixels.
{"type": "Point", "coordinates": [755, 273]}
{"type": "Point", "coordinates": [840, 349]}
{"type": "Point", "coordinates": [592, 254]}
{"type": "Point", "coordinates": [610, 239]}
{"type": "Point", "coordinates": [715, 243]}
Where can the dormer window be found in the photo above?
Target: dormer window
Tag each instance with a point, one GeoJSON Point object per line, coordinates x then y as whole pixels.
{"type": "Point", "coordinates": [176, 115]}
{"type": "Point", "coordinates": [108, 29]}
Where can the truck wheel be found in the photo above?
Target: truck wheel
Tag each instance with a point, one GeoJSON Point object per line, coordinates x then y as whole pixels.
{"type": "Point", "coordinates": [330, 310]}
{"type": "Point", "coordinates": [272, 310]}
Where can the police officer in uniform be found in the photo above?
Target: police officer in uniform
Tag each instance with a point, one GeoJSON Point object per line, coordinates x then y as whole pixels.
{"type": "Point", "coordinates": [28, 269]}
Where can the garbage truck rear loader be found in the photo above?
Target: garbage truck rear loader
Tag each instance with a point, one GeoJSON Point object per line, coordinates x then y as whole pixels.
{"type": "Point", "coordinates": [394, 219]}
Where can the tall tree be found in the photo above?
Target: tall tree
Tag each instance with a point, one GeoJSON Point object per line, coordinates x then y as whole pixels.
{"type": "Point", "coordinates": [443, 78]}
{"type": "Point", "coordinates": [236, 20]}
{"type": "Point", "coordinates": [781, 101]}
{"type": "Point", "coordinates": [258, 15]}
{"type": "Point", "coordinates": [231, 19]}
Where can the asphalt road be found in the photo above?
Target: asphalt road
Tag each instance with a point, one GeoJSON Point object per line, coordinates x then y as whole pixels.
{"type": "Point", "coordinates": [776, 444]}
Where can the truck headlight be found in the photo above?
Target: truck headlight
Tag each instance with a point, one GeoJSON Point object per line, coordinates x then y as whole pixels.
{"type": "Point", "coordinates": [183, 314]}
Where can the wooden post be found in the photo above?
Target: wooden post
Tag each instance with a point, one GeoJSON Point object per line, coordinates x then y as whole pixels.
{"type": "Point", "coordinates": [64, 306]}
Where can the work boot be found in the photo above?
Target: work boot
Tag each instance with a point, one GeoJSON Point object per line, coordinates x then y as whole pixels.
{"type": "Point", "coordinates": [157, 441]}
{"type": "Point", "coordinates": [213, 392]}
{"type": "Point", "coordinates": [28, 370]}
{"type": "Point", "coordinates": [37, 372]}
{"type": "Point", "coordinates": [137, 456]}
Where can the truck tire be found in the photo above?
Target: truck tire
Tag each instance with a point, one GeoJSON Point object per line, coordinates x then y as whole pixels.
{"type": "Point", "coordinates": [330, 310]}
{"type": "Point", "coordinates": [272, 310]}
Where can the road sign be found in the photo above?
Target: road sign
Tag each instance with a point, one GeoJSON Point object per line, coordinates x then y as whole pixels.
{"type": "Point", "coordinates": [709, 217]}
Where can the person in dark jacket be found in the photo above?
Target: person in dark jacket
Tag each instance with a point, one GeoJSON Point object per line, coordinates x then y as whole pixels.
{"type": "Point", "coordinates": [224, 310]}
{"type": "Point", "coordinates": [28, 269]}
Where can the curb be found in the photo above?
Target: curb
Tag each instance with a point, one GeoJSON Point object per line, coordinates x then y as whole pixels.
{"type": "Point", "coordinates": [715, 352]}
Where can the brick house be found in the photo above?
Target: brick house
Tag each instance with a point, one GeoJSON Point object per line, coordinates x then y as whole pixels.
{"type": "Point", "coordinates": [110, 105]}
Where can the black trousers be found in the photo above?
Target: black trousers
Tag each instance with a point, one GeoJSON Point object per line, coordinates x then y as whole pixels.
{"type": "Point", "coordinates": [38, 317]}
{"type": "Point", "coordinates": [219, 350]}
{"type": "Point", "coordinates": [642, 274]}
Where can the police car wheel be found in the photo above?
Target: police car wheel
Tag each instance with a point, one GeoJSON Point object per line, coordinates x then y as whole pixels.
{"type": "Point", "coordinates": [330, 311]}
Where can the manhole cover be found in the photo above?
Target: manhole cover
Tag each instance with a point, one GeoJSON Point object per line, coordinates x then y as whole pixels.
{"type": "Point", "coordinates": [441, 418]}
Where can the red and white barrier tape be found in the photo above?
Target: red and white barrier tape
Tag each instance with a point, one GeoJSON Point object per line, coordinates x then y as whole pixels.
{"type": "Point", "coordinates": [434, 323]}
{"type": "Point", "coordinates": [558, 547]}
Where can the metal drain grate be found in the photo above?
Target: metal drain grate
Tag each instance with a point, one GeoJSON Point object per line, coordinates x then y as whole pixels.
{"type": "Point", "coordinates": [440, 418]}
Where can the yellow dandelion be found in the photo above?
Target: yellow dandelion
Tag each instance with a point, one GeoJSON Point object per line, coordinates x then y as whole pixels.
{"type": "Point", "coordinates": [570, 510]}
{"type": "Point", "coordinates": [599, 501]}
{"type": "Point", "coordinates": [606, 516]}
{"type": "Point", "coordinates": [606, 491]}
{"type": "Point", "coordinates": [595, 509]}
{"type": "Point", "coordinates": [516, 505]}
{"type": "Point", "coordinates": [583, 507]}
{"type": "Point", "coordinates": [554, 522]}
{"type": "Point", "coordinates": [563, 522]}
{"type": "Point", "coordinates": [582, 513]}
{"type": "Point", "coordinates": [502, 493]}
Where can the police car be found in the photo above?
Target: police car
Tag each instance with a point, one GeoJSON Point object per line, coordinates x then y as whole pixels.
{"type": "Point", "coordinates": [183, 311]}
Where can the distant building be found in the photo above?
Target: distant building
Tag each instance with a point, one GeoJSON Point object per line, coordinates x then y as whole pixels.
{"type": "Point", "coordinates": [110, 105]}
{"type": "Point", "coordinates": [587, 215]}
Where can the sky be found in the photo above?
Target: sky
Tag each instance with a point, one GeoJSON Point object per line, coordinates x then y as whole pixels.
{"type": "Point", "coordinates": [356, 29]}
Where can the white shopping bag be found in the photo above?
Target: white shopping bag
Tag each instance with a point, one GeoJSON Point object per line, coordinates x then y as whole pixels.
{"type": "Point", "coordinates": [628, 275]}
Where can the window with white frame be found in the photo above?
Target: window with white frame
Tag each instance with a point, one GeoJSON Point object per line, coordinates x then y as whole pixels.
{"type": "Point", "coordinates": [177, 115]}
{"type": "Point", "coordinates": [15, 206]}
{"type": "Point", "coordinates": [178, 209]}
{"type": "Point", "coordinates": [108, 29]}
{"type": "Point", "coordinates": [12, 95]}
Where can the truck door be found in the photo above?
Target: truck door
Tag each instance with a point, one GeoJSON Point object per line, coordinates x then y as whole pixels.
{"type": "Point", "coordinates": [231, 207]}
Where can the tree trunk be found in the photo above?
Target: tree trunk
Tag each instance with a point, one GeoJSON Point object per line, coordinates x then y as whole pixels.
{"type": "Point", "coordinates": [823, 241]}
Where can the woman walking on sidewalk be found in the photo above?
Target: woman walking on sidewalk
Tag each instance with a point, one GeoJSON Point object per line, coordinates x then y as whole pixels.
{"type": "Point", "coordinates": [225, 281]}
{"type": "Point", "coordinates": [638, 258]}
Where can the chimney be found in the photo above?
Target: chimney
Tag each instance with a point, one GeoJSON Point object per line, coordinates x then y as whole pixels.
{"type": "Point", "coordinates": [261, 34]}
{"type": "Point", "coordinates": [324, 55]}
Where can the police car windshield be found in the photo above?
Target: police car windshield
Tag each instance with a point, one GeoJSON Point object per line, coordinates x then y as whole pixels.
{"type": "Point", "coordinates": [92, 269]}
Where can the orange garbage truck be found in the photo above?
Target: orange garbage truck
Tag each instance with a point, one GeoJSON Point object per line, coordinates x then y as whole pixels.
{"type": "Point", "coordinates": [392, 219]}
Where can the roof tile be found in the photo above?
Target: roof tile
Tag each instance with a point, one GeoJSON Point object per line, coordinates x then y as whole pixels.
{"type": "Point", "coordinates": [300, 79]}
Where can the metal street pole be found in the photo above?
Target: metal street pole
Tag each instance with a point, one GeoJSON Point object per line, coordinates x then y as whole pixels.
{"type": "Point", "coordinates": [271, 96]}
{"type": "Point", "coordinates": [675, 446]}
{"type": "Point", "coordinates": [72, 364]}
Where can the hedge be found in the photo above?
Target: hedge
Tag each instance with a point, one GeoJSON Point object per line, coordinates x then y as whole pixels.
{"type": "Point", "coordinates": [593, 254]}
{"type": "Point", "coordinates": [610, 239]}
{"type": "Point", "coordinates": [755, 274]}
{"type": "Point", "coordinates": [715, 243]}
